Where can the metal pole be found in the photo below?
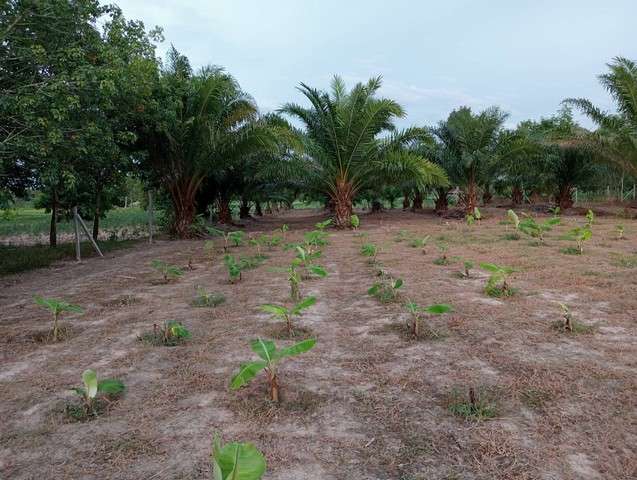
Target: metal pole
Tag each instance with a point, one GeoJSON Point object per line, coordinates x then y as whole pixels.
{"type": "Point", "coordinates": [150, 217]}
{"type": "Point", "coordinates": [90, 237]}
{"type": "Point", "coordinates": [78, 255]}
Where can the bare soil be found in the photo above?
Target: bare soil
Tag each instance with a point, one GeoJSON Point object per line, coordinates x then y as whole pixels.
{"type": "Point", "coordinates": [368, 402]}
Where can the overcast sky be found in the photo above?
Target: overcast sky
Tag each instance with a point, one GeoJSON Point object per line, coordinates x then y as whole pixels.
{"type": "Point", "coordinates": [523, 55]}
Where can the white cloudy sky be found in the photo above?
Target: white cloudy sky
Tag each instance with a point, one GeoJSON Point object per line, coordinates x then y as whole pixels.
{"type": "Point", "coordinates": [524, 55]}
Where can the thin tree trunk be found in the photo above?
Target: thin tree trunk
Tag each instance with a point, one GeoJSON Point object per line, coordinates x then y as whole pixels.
{"type": "Point", "coordinates": [517, 196]}
{"type": "Point", "coordinates": [257, 209]}
{"type": "Point", "coordinates": [343, 203]}
{"type": "Point", "coordinates": [471, 199]}
{"type": "Point", "coordinates": [96, 215]}
{"type": "Point", "coordinates": [244, 209]}
{"type": "Point", "coordinates": [487, 196]}
{"type": "Point", "coordinates": [406, 199]}
{"type": "Point", "coordinates": [377, 206]}
{"type": "Point", "coordinates": [53, 233]}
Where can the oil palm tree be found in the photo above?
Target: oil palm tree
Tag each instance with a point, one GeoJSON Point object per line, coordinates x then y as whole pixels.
{"type": "Point", "coordinates": [471, 144]}
{"type": "Point", "coordinates": [351, 142]}
{"type": "Point", "coordinates": [616, 138]}
{"type": "Point", "coordinates": [205, 122]}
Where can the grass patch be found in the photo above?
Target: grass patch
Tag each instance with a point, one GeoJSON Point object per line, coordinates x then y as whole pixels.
{"type": "Point", "coordinates": [477, 405]}
{"type": "Point", "coordinates": [16, 259]}
{"type": "Point", "coordinates": [576, 327]}
{"type": "Point", "coordinates": [570, 251]}
{"type": "Point", "coordinates": [624, 261]}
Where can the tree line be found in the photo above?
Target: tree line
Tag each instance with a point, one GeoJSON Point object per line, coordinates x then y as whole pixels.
{"type": "Point", "coordinates": [86, 105]}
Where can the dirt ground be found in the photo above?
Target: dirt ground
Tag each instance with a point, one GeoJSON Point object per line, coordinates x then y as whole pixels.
{"type": "Point", "coordinates": [368, 402]}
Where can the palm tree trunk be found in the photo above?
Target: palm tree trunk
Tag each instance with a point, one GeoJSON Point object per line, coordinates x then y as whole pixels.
{"type": "Point", "coordinates": [343, 199]}
{"type": "Point", "coordinates": [417, 201]}
{"type": "Point", "coordinates": [183, 193]}
{"type": "Point", "coordinates": [244, 209]}
{"type": "Point", "coordinates": [406, 199]}
{"type": "Point", "coordinates": [442, 201]}
{"type": "Point", "coordinates": [223, 210]}
{"type": "Point", "coordinates": [565, 196]}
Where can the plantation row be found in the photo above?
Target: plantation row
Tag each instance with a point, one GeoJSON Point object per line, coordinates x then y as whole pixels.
{"type": "Point", "coordinates": [98, 395]}
{"type": "Point", "coordinates": [94, 118]}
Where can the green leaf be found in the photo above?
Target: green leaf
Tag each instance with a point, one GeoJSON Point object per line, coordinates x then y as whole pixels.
{"type": "Point", "coordinates": [264, 348]}
{"type": "Point", "coordinates": [110, 386]}
{"type": "Point", "coordinates": [238, 461]}
{"type": "Point", "coordinates": [303, 304]}
{"type": "Point", "coordinates": [246, 373]}
{"type": "Point", "coordinates": [274, 309]}
{"type": "Point", "coordinates": [490, 267]}
{"type": "Point", "coordinates": [296, 349]}
{"type": "Point", "coordinates": [439, 309]}
{"type": "Point", "coordinates": [318, 271]}
{"type": "Point", "coordinates": [397, 284]}
{"type": "Point", "coordinates": [89, 377]}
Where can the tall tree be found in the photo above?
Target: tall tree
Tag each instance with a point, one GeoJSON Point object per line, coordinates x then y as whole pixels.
{"type": "Point", "coordinates": [616, 138]}
{"type": "Point", "coordinates": [352, 141]}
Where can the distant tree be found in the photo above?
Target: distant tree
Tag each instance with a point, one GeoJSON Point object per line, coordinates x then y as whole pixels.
{"type": "Point", "coordinates": [352, 143]}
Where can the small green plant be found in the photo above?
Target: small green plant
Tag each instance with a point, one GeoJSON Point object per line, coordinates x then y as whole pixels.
{"type": "Point", "coordinates": [323, 225]}
{"type": "Point", "coordinates": [529, 226]}
{"type": "Point", "coordinates": [442, 259]}
{"type": "Point", "coordinates": [208, 299]}
{"type": "Point", "coordinates": [420, 243]}
{"type": "Point", "coordinates": [287, 314]}
{"type": "Point", "coordinates": [370, 251]}
{"type": "Point", "coordinates": [168, 272]}
{"type": "Point", "coordinates": [270, 358]}
{"type": "Point", "coordinates": [305, 259]}
{"type": "Point", "coordinates": [174, 333]}
{"type": "Point", "coordinates": [273, 241]}
{"type": "Point", "coordinates": [236, 461]}
{"type": "Point", "coordinates": [568, 324]}
{"type": "Point", "coordinates": [109, 387]}
{"type": "Point", "coordinates": [386, 290]}
{"type": "Point", "coordinates": [316, 238]}
{"type": "Point", "coordinates": [473, 217]}
{"type": "Point", "coordinates": [248, 263]}
{"type": "Point", "coordinates": [590, 218]}
{"type": "Point", "coordinates": [619, 229]}
{"type": "Point", "coordinates": [56, 307]}
{"type": "Point", "coordinates": [416, 316]}
{"type": "Point", "coordinates": [468, 265]}
{"type": "Point", "coordinates": [355, 222]}
{"type": "Point", "coordinates": [233, 267]}
{"type": "Point", "coordinates": [497, 284]}
{"type": "Point", "coordinates": [284, 229]}
{"type": "Point", "coordinates": [257, 242]}
{"type": "Point", "coordinates": [236, 238]}
{"type": "Point", "coordinates": [580, 235]}
{"type": "Point", "coordinates": [209, 250]}
{"type": "Point", "coordinates": [476, 407]}
{"type": "Point", "coordinates": [555, 211]}
{"type": "Point", "coordinates": [401, 236]}
{"type": "Point", "coordinates": [215, 232]}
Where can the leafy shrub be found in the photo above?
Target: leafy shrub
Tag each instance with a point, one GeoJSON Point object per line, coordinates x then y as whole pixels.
{"type": "Point", "coordinates": [580, 235]}
{"type": "Point", "coordinates": [590, 218]}
{"type": "Point", "coordinates": [208, 299]}
{"type": "Point", "coordinates": [92, 388]}
{"type": "Point", "coordinates": [386, 290]}
{"type": "Point", "coordinates": [416, 316]}
{"type": "Point", "coordinates": [168, 272]}
{"type": "Point", "coordinates": [286, 314]}
{"type": "Point", "coordinates": [270, 357]}
{"type": "Point", "coordinates": [497, 284]}
{"type": "Point", "coordinates": [236, 461]}
{"type": "Point", "coordinates": [56, 307]}
{"type": "Point", "coordinates": [530, 227]}
{"type": "Point", "coordinates": [619, 229]}
{"type": "Point", "coordinates": [355, 222]}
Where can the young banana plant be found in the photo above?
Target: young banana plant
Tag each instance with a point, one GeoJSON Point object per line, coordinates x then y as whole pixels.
{"type": "Point", "coordinates": [590, 218]}
{"type": "Point", "coordinates": [234, 268]}
{"type": "Point", "coordinates": [215, 232]}
{"type": "Point", "coordinates": [567, 318]}
{"type": "Point", "coordinates": [420, 243]}
{"type": "Point", "coordinates": [208, 299]}
{"type": "Point", "coordinates": [529, 226]}
{"type": "Point", "coordinates": [305, 259]}
{"type": "Point", "coordinates": [236, 237]}
{"type": "Point", "coordinates": [416, 314]}
{"type": "Point", "coordinates": [355, 222]}
{"type": "Point", "coordinates": [386, 290]}
{"type": "Point", "coordinates": [209, 250]}
{"type": "Point", "coordinates": [93, 387]}
{"type": "Point", "coordinates": [369, 250]}
{"type": "Point", "coordinates": [287, 314]}
{"type": "Point", "coordinates": [169, 272]}
{"type": "Point", "coordinates": [270, 357]}
{"type": "Point", "coordinates": [236, 461]}
{"type": "Point", "coordinates": [174, 332]}
{"type": "Point", "coordinates": [56, 307]}
{"type": "Point", "coordinates": [620, 232]}
{"type": "Point", "coordinates": [323, 225]}
{"type": "Point", "coordinates": [497, 284]}
{"type": "Point", "coordinates": [468, 265]}
{"type": "Point", "coordinates": [581, 235]}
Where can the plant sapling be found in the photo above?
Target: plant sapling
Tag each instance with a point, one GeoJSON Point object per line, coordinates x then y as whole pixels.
{"type": "Point", "coordinates": [56, 307]}
{"type": "Point", "coordinates": [286, 314]}
{"type": "Point", "coordinates": [236, 461]}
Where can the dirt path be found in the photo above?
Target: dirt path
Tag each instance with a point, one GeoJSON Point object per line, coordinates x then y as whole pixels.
{"type": "Point", "coordinates": [368, 402]}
